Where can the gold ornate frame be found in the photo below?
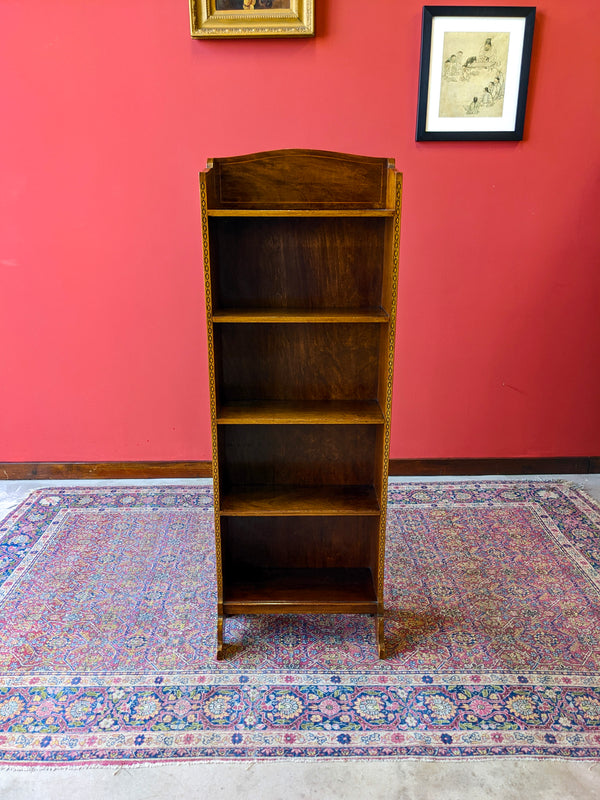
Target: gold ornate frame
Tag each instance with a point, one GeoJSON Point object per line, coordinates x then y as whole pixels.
{"type": "Point", "coordinates": [208, 21]}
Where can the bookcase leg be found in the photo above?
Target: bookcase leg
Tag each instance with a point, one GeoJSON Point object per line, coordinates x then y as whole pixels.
{"type": "Point", "coordinates": [220, 637]}
{"type": "Point", "coordinates": [380, 635]}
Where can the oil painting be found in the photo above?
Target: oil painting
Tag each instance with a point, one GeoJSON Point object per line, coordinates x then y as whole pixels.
{"type": "Point", "coordinates": [226, 19]}
{"type": "Point", "coordinates": [250, 5]}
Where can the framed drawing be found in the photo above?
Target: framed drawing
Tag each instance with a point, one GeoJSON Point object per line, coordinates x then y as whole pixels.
{"type": "Point", "coordinates": [474, 72]}
{"type": "Point", "coordinates": [220, 19]}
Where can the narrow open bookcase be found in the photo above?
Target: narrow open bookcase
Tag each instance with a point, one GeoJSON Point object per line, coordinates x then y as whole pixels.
{"type": "Point", "coordinates": [301, 268]}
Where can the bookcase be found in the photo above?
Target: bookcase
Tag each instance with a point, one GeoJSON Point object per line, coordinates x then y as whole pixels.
{"type": "Point", "coordinates": [301, 266]}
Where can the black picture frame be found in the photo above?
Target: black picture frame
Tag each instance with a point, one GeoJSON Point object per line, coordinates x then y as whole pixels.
{"type": "Point", "coordinates": [474, 96]}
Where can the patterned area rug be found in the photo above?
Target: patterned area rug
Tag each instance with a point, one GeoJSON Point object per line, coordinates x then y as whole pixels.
{"type": "Point", "coordinates": [492, 625]}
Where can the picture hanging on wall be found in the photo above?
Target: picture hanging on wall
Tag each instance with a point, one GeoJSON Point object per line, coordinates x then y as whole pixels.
{"type": "Point", "coordinates": [474, 72]}
{"type": "Point", "coordinates": [231, 19]}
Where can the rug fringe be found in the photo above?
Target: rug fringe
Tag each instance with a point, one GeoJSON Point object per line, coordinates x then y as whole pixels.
{"type": "Point", "coordinates": [248, 763]}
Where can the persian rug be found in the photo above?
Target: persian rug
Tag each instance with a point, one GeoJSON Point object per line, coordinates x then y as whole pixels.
{"type": "Point", "coordinates": [107, 622]}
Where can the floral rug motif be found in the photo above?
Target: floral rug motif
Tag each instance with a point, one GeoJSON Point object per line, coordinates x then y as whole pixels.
{"type": "Point", "coordinates": [107, 620]}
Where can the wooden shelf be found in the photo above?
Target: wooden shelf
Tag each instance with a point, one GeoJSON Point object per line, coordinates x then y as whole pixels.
{"type": "Point", "coordinates": [298, 315]}
{"type": "Point", "coordinates": [292, 412]}
{"type": "Point", "coordinates": [300, 212]}
{"type": "Point", "coordinates": [292, 500]}
{"type": "Point", "coordinates": [288, 590]}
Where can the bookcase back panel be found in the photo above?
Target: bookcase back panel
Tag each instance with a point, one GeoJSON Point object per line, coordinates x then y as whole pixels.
{"type": "Point", "coordinates": [297, 263]}
{"type": "Point", "coordinates": [300, 455]}
{"type": "Point", "coordinates": [297, 361]}
{"type": "Point", "coordinates": [297, 542]}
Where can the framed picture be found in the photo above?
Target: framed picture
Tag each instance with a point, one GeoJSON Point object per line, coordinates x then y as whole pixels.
{"type": "Point", "coordinates": [474, 72]}
{"type": "Point", "coordinates": [220, 19]}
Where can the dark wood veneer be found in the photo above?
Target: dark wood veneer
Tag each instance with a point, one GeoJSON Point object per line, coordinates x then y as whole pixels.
{"type": "Point", "coordinates": [301, 179]}
{"type": "Point", "coordinates": [311, 361]}
{"type": "Point", "coordinates": [286, 262]}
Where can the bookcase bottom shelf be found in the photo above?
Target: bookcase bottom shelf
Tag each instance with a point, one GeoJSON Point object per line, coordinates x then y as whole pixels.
{"type": "Point", "coordinates": [303, 591]}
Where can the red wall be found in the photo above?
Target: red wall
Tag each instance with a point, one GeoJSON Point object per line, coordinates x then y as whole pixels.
{"type": "Point", "coordinates": [109, 110]}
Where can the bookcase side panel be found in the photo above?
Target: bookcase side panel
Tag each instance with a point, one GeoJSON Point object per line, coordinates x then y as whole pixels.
{"type": "Point", "coordinates": [213, 377]}
{"type": "Point", "coordinates": [387, 352]}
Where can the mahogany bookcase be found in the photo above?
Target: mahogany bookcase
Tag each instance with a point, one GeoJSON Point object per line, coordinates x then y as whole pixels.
{"type": "Point", "coordinates": [301, 268]}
